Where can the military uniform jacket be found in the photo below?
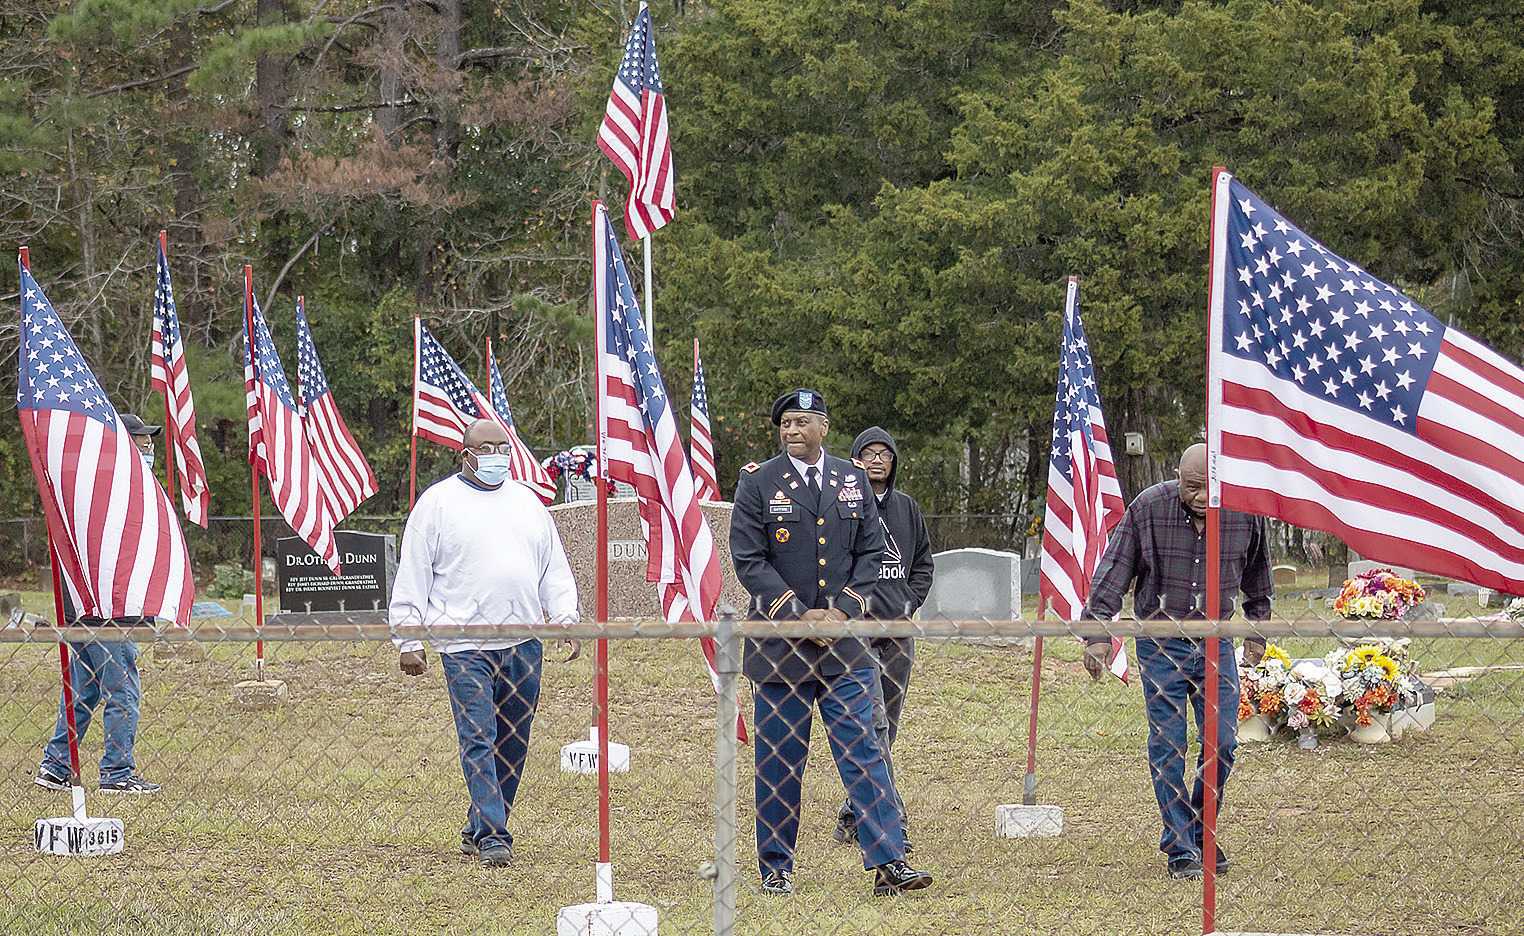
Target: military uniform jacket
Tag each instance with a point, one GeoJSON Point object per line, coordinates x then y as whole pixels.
{"type": "Point", "coordinates": [793, 553]}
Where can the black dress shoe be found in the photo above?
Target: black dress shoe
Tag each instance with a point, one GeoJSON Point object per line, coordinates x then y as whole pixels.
{"type": "Point", "coordinates": [778, 882]}
{"type": "Point", "coordinates": [898, 876]}
{"type": "Point", "coordinates": [1185, 869]}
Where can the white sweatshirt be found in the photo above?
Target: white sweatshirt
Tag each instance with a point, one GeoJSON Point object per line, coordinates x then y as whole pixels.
{"type": "Point", "coordinates": [474, 556]}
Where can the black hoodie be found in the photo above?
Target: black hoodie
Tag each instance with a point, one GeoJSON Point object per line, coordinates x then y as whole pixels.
{"type": "Point", "coordinates": [904, 574]}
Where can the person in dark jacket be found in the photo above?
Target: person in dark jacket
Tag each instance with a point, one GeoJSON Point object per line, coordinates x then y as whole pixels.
{"type": "Point", "coordinates": [904, 581]}
{"type": "Point", "coordinates": [806, 542]}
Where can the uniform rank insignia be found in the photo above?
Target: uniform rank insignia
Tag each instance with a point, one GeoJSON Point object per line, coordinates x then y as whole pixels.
{"type": "Point", "coordinates": [750, 466]}
{"type": "Point", "coordinates": [782, 535]}
{"type": "Point", "coordinates": [859, 464]}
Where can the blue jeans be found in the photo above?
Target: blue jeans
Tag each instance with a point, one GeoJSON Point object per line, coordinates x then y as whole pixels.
{"type": "Point", "coordinates": [493, 694]}
{"type": "Point", "coordinates": [101, 672]}
{"type": "Point", "coordinates": [782, 713]}
{"type": "Point", "coordinates": [1174, 675]}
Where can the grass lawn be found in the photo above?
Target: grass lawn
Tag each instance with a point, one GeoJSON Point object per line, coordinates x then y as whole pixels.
{"type": "Point", "coordinates": [340, 811]}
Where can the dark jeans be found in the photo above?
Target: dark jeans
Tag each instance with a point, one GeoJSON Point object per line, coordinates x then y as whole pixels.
{"type": "Point", "coordinates": [782, 714]}
{"type": "Point", "coordinates": [493, 694]}
{"type": "Point", "coordinates": [106, 673]}
{"type": "Point", "coordinates": [894, 657]}
{"type": "Point", "coordinates": [1174, 676]}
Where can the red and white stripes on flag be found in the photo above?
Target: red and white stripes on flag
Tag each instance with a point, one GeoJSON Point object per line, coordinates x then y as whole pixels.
{"type": "Point", "coordinates": [167, 375]}
{"type": "Point", "coordinates": [706, 487]}
{"type": "Point", "coordinates": [639, 444]}
{"type": "Point", "coordinates": [1335, 402]}
{"type": "Point", "coordinates": [278, 440]}
{"type": "Point", "coordinates": [342, 471]}
{"type": "Point", "coordinates": [120, 549]}
{"type": "Point", "coordinates": [1084, 497]}
{"type": "Point", "coordinates": [523, 466]}
{"type": "Point", "coordinates": [634, 133]}
{"type": "Point", "coordinates": [445, 401]}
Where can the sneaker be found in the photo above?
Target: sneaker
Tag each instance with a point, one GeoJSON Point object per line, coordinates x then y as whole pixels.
{"type": "Point", "coordinates": [130, 785]}
{"type": "Point", "coordinates": [468, 847]}
{"type": "Point", "coordinates": [846, 829]}
{"type": "Point", "coordinates": [497, 856]}
{"type": "Point", "coordinates": [897, 876]}
{"type": "Point", "coordinates": [778, 882]}
{"type": "Point", "coordinates": [1185, 869]}
{"type": "Point", "coordinates": [1223, 864]}
{"type": "Point", "coordinates": [52, 781]}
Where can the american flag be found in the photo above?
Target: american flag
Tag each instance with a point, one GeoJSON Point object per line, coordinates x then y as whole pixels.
{"type": "Point", "coordinates": [445, 401]}
{"type": "Point", "coordinates": [278, 441]}
{"type": "Point", "coordinates": [524, 468]}
{"type": "Point", "coordinates": [342, 471]}
{"type": "Point", "coordinates": [167, 375]}
{"type": "Point", "coordinates": [1084, 498]}
{"type": "Point", "coordinates": [634, 133]}
{"type": "Point", "coordinates": [1336, 403]}
{"type": "Point", "coordinates": [701, 442]}
{"type": "Point", "coordinates": [120, 549]}
{"type": "Point", "coordinates": [641, 446]}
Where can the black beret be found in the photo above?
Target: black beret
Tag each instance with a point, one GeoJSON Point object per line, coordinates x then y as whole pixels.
{"type": "Point", "coordinates": [135, 426]}
{"type": "Point", "coordinates": [801, 401]}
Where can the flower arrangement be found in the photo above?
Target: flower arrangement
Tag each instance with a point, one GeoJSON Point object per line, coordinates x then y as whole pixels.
{"type": "Point", "coordinates": [1377, 594]}
{"type": "Point", "coordinates": [1297, 695]}
{"type": "Point", "coordinates": [1372, 678]}
{"type": "Point", "coordinates": [582, 464]}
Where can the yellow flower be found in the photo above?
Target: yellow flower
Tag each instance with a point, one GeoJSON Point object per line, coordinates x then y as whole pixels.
{"type": "Point", "coordinates": [1272, 652]}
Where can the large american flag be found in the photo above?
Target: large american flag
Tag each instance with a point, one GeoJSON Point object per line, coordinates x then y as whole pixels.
{"type": "Point", "coordinates": [167, 375]}
{"type": "Point", "coordinates": [342, 471]}
{"type": "Point", "coordinates": [1084, 498]}
{"type": "Point", "coordinates": [120, 549]}
{"type": "Point", "coordinates": [445, 401]}
{"type": "Point", "coordinates": [641, 446]}
{"type": "Point", "coordinates": [700, 440]}
{"type": "Point", "coordinates": [278, 441]}
{"type": "Point", "coordinates": [634, 133]}
{"type": "Point", "coordinates": [524, 467]}
{"type": "Point", "coordinates": [1336, 403]}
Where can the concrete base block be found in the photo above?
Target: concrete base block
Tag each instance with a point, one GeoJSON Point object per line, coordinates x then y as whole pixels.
{"type": "Point", "coordinates": [260, 694]}
{"type": "Point", "coordinates": [1018, 821]}
{"type": "Point", "coordinates": [1236, 933]}
{"type": "Point", "coordinates": [616, 918]}
{"type": "Point", "coordinates": [80, 837]}
{"type": "Point", "coordinates": [582, 756]}
{"type": "Point", "coordinates": [186, 651]}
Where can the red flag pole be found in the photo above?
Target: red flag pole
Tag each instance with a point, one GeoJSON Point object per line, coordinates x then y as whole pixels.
{"type": "Point", "coordinates": [412, 472]}
{"type": "Point", "coordinates": [605, 873]}
{"type": "Point", "coordinates": [169, 423]}
{"type": "Point", "coordinates": [68, 676]}
{"type": "Point", "coordinates": [259, 559]}
{"type": "Point", "coordinates": [1209, 752]}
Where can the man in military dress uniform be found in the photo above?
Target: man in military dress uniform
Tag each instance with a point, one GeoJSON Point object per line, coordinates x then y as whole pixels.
{"type": "Point", "coordinates": [806, 541]}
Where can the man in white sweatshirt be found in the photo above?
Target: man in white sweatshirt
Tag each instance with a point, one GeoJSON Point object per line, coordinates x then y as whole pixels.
{"type": "Point", "coordinates": [480, 549]}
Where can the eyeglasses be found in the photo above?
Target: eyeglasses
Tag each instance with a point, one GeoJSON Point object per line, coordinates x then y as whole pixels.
{"type": "Point", "coordinates": [877, 456]}
{"type": "Point", "coordinates": [488, 448]}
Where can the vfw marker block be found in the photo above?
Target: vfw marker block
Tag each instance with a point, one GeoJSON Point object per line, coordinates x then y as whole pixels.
{"type": "Point", "coordinates": [81, 837]}
{"type": "Point", "coordinates": [582, 756]}
{"type": "Point", "coordinates": [617, 918]}
{"type": "Point", "coordinates": [1018, 821]}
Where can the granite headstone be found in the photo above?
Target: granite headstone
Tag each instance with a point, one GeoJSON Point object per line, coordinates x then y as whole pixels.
{"type": "Point", "coordinates": [368, 562]}
{"type": "Point", "coordinates": [974, 584]}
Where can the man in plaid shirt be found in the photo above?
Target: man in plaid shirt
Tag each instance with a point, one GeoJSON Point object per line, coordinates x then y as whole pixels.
{"type": "Point", "coordinates": [1160, 550]}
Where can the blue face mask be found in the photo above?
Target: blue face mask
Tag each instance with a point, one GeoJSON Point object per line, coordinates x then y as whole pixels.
{"type": "Point", "coordinates": [147, 458]}
{"type": "Point", "coordinates": [492, 470]}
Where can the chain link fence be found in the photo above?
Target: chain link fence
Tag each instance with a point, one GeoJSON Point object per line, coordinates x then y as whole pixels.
{"type": "Point", "coordinates": [339, 805]}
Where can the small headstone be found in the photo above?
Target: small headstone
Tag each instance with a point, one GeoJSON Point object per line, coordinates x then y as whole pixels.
{"type": "Point", "coordinates": [1461, 588]}
{"type": "Point", "coordinates": [258, 694]}
{"type": "Point", "coordinates": [186, 651]}
{"type": "Point", "coordinates": [1425, 611]}
{"type": "Point", "coordinates": [1284, 575]}
{"type": "Point", "coordinates": [1366, 565]}
{"type": "Point", "coordinates": [974, 584]}
{"type": "Point", "coordinates": [1017, 821]}
{"type": "Point", "coordinates": [368, 562]}
{"type": "Point", "coordinates": [1031, 575]}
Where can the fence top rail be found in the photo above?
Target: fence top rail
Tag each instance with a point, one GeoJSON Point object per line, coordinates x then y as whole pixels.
{"type": "Point", "coordinates": [321, 626]}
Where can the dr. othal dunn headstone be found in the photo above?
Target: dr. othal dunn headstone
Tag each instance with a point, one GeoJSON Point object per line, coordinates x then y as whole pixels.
{"type": "Point", "coordinates": [368, 561]}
